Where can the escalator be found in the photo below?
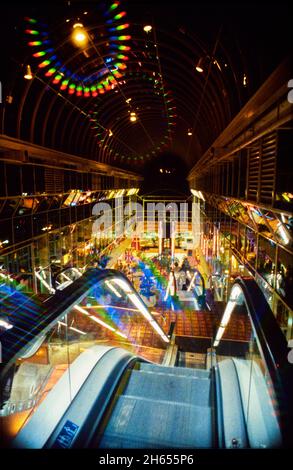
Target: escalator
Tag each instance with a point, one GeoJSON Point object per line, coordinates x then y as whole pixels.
{"type": "Point", "coordinates": [162, 407]}
{"type": "Point", "coordinates": [96, 385]}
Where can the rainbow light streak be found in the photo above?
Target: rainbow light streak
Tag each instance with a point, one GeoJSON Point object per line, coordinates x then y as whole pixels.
{"type": "Point", "coordinates": [120, 15]}
{"type": "Point", "coordinates": [39, 54]}
{"type": "Point", "coordinates": [114, 6]}
{"type": "Point", "coordinates": [16, 299]}
{"type": "Point", "coordinates": [30, 20]}
{"type": "Point", "coordinates": [44, 64]}
{"type": "Point", "coordinates": [52, 60]}
{"type": "Point", "coordinates": [32, 31]}
{"type": "Point", "coordinates": [50, 72]}
{"type": "Point", "coordinates": [57, 79]}
{"type": "Point", "coordinates": [120, 38]}
{"type": "Point", "coordinates": [64, 84]}
{"type": "Point", "coordinates": [35, 43]}
{"type": "Point", "coordinates": [122, 26]}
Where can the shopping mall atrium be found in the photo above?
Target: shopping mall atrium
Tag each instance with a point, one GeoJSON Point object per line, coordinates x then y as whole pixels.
{"type": "Point", "coordinates": [146, 269]}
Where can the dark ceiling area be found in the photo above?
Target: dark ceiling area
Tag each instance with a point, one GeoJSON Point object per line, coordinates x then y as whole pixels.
{"type": "Point", "coordinates": [127, 96]}
{"type": "Point", "coordinates": [165, 175]}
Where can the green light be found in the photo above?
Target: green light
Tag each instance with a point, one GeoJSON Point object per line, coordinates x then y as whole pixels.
{"type": "Point", "coordinates": [123, 48]}
{"type": "Point", "coordinates": [86, 89]}
{"type": "Point", "coordinates": [119, 15]}
{"type": "Point", "coordinates": [72, 86]}
{"type": "Point", "coordinates": [31, 20]}
{"type": "Point", "coordinates": [44, 64]}
{"type": "Point", "coordinates": [79, 88]}
{"type": "Point", "coordinates": [32, 31]}
{"type": "Point", "coordinates": [122, 26]}
{"type": "Point", "coordinates": [35, 43]}
{"type": "Point", "coordinates": [114, 6]}
{"type": "Point", "coordinates": [39, 54]}
{"type": "Point", "coordinates": [93, 88]}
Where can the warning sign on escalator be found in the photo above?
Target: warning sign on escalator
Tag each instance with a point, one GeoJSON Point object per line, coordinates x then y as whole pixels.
{"type": "Point", "coordinates": [66, 435]}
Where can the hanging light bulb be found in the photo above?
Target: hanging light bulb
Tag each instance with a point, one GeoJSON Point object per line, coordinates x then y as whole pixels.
{"type": "Point", "coordinates": [199, 65]}
{"type": "Point", "coordinates": [147, 28]}
{"type": "Point", "coordinates": [79, 35]}
{"type": "Point", "coordinates": [28, 73]}
{"type": "Point", "coordinates": [133, 117]}
{"type": "Point", "coordinates": [189, 132]}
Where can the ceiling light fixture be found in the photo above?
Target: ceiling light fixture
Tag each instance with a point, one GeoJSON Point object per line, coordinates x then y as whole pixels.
{"type": "Point", "coordinates": [28, 73]}
{"type": "Point", "coordinates": [147, 28]}
{"type": "Point", "coordinates": [199, 65]}
{"type": "Point", "coordinates": [133, 117]}
{"type": "Point", "coordinates": [79, 35]}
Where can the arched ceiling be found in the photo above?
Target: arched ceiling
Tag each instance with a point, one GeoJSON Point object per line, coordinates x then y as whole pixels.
{"type": "Point", "coordinates": [80, 98]}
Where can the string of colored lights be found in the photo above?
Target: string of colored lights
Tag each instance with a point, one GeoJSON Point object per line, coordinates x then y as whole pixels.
{"type": "Point", "coordinates": [162, 82]}
{"type": "Point", "coordinates": [103, 133]}
{"type": "Point", "coordinates": [122, 93]}
{"type": "Point", "coordinates": [80, 110]}
{"type": "Point", "coordinates": [64, 78]}
{"type": "Point", "coordinates": [60, 76]}
{"type": "Point", "coordinates": [113, 74]}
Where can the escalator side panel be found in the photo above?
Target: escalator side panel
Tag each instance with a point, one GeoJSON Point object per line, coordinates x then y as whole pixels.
{"type": "Point", "coordinates": [231, 423]}
{"type": "Point", "coordinates": [261, 420]}
{"type": "Point", "coordinates": [87, 409]}
{"type": "Point", "coordinates": [43, 422]}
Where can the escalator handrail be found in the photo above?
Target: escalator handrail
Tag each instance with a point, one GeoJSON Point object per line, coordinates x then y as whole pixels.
{"type": "Point", "coordinates": [271, 339]}
{"type": "Point", "coordinates": [273, 347]}
{"type": "Point", "coordinates": [32, 324]}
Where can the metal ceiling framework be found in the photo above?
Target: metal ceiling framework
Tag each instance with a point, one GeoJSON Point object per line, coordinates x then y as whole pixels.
{"type": "Point", "coordinates": [158, 82]}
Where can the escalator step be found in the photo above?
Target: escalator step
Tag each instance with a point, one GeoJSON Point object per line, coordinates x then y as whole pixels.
{"type": "Point", "coordinates": [184, 371]}
{"type": "Point", "coordinates": [170, 387]}
{"type": "Point", "coordinates": [144, 423]}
